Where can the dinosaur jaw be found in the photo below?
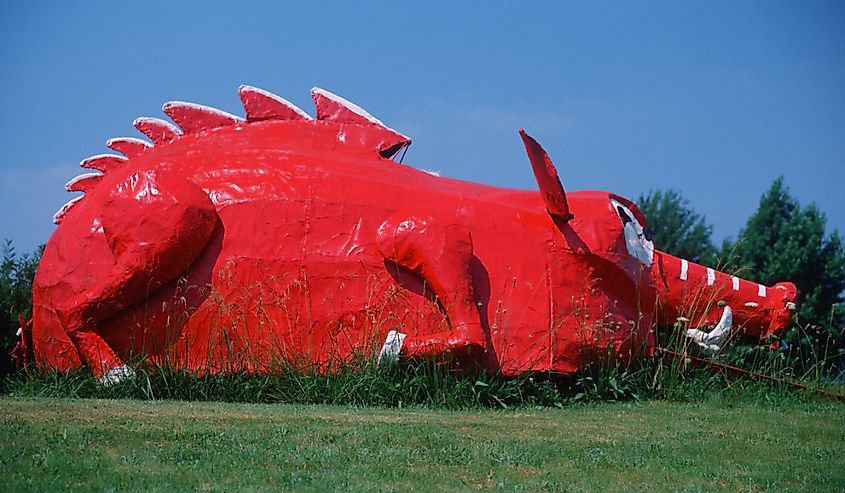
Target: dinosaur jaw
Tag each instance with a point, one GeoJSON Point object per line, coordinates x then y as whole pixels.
{"type": "Point", "coordinates": [701, 296]}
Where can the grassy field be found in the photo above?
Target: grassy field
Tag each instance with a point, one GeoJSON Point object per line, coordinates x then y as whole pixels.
{"type": "Point", "coordinates": [90, 444]}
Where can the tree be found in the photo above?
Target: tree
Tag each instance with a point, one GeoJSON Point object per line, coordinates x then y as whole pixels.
{"type": "Point", "coordinates": [784, 242]}
{"type": "Point", "coordinates": [16, 276]}
{"type": "Point", "coordinates": [678, 229]}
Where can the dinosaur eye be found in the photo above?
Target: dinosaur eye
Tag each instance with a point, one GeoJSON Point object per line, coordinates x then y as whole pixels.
{"type": "Point", "coordinates": [623, 215]}
{"type": "Point", "coordinates": [638, 239]}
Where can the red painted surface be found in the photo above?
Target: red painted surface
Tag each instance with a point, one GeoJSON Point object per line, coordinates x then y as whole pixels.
{"type": "Point", "coordinates": [241, 242]}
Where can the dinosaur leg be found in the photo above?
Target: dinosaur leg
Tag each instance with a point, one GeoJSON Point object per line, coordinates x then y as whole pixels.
{"type": "Point", "coordinates": [442, 256]}
{"type": "Point", "coordinates": [155, 225]}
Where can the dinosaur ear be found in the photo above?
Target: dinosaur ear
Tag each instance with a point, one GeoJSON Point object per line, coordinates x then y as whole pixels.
{"type": "Point", "coordinates": [547, 179]}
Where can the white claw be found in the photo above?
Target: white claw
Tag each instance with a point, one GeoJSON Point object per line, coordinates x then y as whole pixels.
{"type": "Point", "coordinates": [710, 343]}
{"type": "Point", "coordinates": [116, 375]}
{"type": "Point", "coordinates": [392, 346]}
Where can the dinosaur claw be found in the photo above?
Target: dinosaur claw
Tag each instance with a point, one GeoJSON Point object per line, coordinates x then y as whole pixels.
{"type": "Point", "coordinates": [117, 375]}
{"type": "Point", "coordinates": [391, 348]}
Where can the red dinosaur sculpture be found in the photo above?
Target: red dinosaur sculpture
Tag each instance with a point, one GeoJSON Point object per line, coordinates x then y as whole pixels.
{"type": "Point", "coordinates": [233, 244]}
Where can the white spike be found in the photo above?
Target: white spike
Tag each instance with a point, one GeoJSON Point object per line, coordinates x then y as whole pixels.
{"type": "Point", "coordinates": [57, 217]}
{"type": "Point", "coordinates": [117, 141]}
{"type": "Point", "coordinates": [96, 157]}
{"type": "Point", "coordinates": [157, 121]}
{"type": "Point", "coordinates": [159, 131]}
{"type": "Point", "coordinates": [275, 97]}
{"type": "Point", "coordinates": [201, 108]}
{"type": "Point", "coordinates": [128, 139]}
{"type": "Point", "coordinates": [348, 104]}
{"type": "Point", "coordinates": [76, 179]}
{"type": "Point", "coordinates": [353, 108]}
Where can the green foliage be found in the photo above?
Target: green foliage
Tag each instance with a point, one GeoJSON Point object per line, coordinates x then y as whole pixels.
{"type": "Point", "coordinates": [413, 384]}
{"type": "Point", "coordinates": [784, 241]}
{"type": "Point", "coordinates": [16, 275]}
{"type": "Point", "coordinates": [678, 229]}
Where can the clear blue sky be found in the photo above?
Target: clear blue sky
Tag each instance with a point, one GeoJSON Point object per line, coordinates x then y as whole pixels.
{"type": "Point", "coordinates": [716, 99]}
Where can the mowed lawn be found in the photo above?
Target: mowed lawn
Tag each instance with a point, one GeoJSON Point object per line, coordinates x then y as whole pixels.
{"type": "Point", "coordinates": [62, 445]}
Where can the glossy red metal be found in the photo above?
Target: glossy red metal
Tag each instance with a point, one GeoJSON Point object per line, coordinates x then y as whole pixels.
{"type": "Point", "coordinates": [239, 243]}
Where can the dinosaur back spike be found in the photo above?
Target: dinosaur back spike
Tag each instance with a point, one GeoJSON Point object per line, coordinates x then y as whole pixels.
{"type": "Point", "coordinates": [192, 117]}
{"type": "Point", "coordinates": [63, 210]}
{"type": "Point", "coordinates": [84, 182]}
{"type": "Point", "coordinates": [331, 107]}
{"type": "Point", "coordinates": [158, 130]}
{"type": "Point", "coordinates": [264, 105]}
{"type": "Point", "coordinates": [103, 162]}
{"type": "Point", "coordinates": [128, 146]}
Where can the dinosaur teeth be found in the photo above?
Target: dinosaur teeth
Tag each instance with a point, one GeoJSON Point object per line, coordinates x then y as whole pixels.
{"type": "Point", "coordinates": [84, 182]}
{"type": "Point", "coordinates": [63, 210]}
{"type": "Point", "coordinates": [192, 117]}
{"type": "Point", "coordinates": [103, 162]}
{"type": "Point", "coordinates": [128, 146]}
{"type": "Point", "coordinates": [159, 131]}
{"type": "Point", "coordinates": [264, 105]}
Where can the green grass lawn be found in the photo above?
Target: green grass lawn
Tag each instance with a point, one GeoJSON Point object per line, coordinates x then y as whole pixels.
{"type": "Point", "coordinates": [88, 444]}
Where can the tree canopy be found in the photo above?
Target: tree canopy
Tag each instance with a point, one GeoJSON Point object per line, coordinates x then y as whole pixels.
{"type": "Point", "coordinates": [783, 241]}
{"type": "Point", "coordinates": [16, 275]}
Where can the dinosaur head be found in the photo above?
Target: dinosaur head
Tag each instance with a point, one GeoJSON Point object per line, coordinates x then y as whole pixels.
{"type": "Point", "coordinates": [612, 235]}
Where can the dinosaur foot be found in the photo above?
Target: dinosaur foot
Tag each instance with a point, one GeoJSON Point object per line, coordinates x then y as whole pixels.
{"type": "Point", "coordinates": [392, 346]}
{"type": "Point", "coordinates": [117, 375]}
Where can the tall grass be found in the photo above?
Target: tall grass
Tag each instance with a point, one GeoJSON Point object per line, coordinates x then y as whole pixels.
{"type": "Point", "coordinates": [361, 381]}
{"type": "Point", "coordinates": [428, 384]}
{"type": "Point", "coordinates": [420, 383]}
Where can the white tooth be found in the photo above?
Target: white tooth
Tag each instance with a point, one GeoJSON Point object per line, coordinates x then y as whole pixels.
{"type": "Point", "coordinates": [684, 269]}
{"type": "Point", "coordinates": [721, 332]}
{"type": "Point", "coordinates": [761, 291]}
{"type": "Point", "coordinates": [710, 343]}
{"type": "Point", "coordinates": [735, 282]}
{"type": "Point", "coordinates": [696, 335]}
{"type": "Point", "coordinates": [711, 276]}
